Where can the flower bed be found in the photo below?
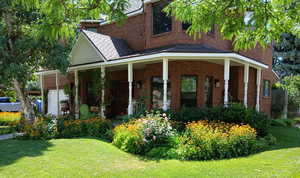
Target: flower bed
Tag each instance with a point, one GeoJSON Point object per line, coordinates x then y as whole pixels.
{"type": "Point", "coordinates": [142, 135]}
{"type": "Point", "coordinates": [202, 140]}
{"type": "Point", "coordinates": [9, 118]}
{"type": "Point", "coordinates": [48, 127]}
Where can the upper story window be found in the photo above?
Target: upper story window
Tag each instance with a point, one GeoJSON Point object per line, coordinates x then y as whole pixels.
{"type": "Point", "coordinates": [185, 26]}
{"type": "Point", "coordinates": [161, 22]}
{"type": "Point", "coordinates": [266, 88]}
{"type": "Point", "coordinates": [92, 29]}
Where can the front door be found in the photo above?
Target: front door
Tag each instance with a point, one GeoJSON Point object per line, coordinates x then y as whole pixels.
{"type": "Point", "coordinates": [119, 98]}
{"type": "Point", "coordinates": [208, 91]}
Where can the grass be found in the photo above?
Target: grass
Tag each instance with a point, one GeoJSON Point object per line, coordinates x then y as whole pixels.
{"type": "Point", "coordinates": [90, 157]}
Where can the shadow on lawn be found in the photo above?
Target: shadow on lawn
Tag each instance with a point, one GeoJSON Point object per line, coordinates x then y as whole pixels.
{"type": "Point", "coordinates": [12, 150]}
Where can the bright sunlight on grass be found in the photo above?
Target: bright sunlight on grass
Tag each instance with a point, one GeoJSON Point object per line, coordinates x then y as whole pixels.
{"type": "Point", "coordinates": [90, 157]}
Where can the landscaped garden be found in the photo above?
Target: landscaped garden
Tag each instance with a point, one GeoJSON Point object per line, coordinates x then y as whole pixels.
{"type": "Point", "coordinates": [231, 141]}
{"type": "Point", "coordinates": [91, 157]}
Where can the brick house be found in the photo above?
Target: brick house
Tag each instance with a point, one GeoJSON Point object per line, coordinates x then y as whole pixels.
{"type": "Point", "coordinates": [150, 56]}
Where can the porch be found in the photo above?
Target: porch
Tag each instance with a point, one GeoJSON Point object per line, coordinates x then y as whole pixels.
{"type": "Point", "coordinates": [163, 84]}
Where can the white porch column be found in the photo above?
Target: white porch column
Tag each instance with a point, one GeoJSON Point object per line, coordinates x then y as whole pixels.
{"type": "Point", "coordinates": [165, 79]}
{"type": "Point", "coordinates": [258, 81]}
{"type": "Point", "coordinates": [76, 95]}
{"type": "Point", "coordinates": [57, 93]}
{"type": "Point", "coordinates": [246, 80]}
{"type": "Point", "coordinates": [103, 92]}
{"type": "Point", "coordinates": [226, 80]}
{"type": "Point", "coordinates": [130, 80]}
{"type": "Point", "coordinates": [42, 92]}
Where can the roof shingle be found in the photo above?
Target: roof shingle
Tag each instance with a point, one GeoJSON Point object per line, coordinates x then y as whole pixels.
{"type": "Point", "coordinates": [109, 47]}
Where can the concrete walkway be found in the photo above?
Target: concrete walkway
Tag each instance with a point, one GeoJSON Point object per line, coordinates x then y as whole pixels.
{"type": "Point", "coordinates": [10, 136]}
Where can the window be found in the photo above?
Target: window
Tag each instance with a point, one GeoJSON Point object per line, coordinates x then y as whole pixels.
{"type": "Point", "coordinates": [188, 91]}
{"type": "Point", "coordinates": [158, 92]}
{"type": "Point", "coordinates": [266, 89]}
{"type": "Point", "coordinates": [161, 22]}
{"type": "Point", "coordinates": [185, 26]}
{"type": "Point", "coordinates": [92, 29]}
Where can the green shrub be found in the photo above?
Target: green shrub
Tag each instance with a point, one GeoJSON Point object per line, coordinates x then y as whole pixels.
{"type": "Point", "coordinates": [283, 122]}
{"type": "Point", "coordinates": [6, 130]}
{"type": "Point", "coordinates": [142, 135]}
{"type": "Point", "coordinates": [85, 112]}
{"type": "Point", "coordinates": [189, 114]}
{"type": "Point", "coordinates": [97, 126]}
{"type": "Point", "coordinates": [47, 127]}
{"type": "Point", "coordinates": [128, 137]}
{"type": "Point", "coordinates": [42, 128]}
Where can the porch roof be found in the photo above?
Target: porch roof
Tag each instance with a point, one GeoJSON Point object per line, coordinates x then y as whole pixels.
{"type": "Point", "coordinates": [115, 51]}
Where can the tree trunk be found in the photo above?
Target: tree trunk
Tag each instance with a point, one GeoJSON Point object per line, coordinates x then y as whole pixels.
{"type": "Point", "coordinates": [27, 107]}
{"type": "Point", "coordinates": [286, 103]}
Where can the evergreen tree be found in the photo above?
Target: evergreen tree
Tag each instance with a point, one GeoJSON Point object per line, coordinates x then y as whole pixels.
{"type": "Point", "coordinates": [286, 56]}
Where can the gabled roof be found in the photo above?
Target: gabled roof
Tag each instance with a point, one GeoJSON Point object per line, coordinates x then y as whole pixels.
{"type": "Point", "coordinates": [109, 47]}
{"type": "Point", "coordinates": [134, 6]}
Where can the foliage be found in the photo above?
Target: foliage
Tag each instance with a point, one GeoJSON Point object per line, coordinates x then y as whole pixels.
{"type": "Point", "coordinates": [205, 140]}
{"type": "Point", "coordinates": [6, 130]}
{"type": "Point", "coordinates": [247, 23]}
{"type": "Point", "coordinates": [9, 118]}
{"type": "Point", "coordinates": [234, 113]}
{"type": "Point", "coordinates": [128, 137]}
{"type": "Point", "coordinates": [140, 136]}
{"type": "Point", "coordinates": [189, 114]}
{"type": "Point", "coordinates": [38, 34]}
{"type": "Point", "coordinates": [291, 84]}
{"type": "Point", "coordinates": [283, 122]}
{"type": "Point", "coordinates": [47, 127]}
{"type": "Point", "coordinates": [286, 56]}
{"type": "Point", "coordinates": [85, 112]}
{"type": "Point", "coordinates": [155, 130]}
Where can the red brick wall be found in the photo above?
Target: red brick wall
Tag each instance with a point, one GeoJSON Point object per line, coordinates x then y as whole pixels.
{"type": "Point", "coordinates": [137, 31]}
{"type": "Point", "coordinates": [50, 81]}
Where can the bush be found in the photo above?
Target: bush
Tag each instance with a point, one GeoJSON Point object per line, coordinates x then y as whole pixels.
{"type": "Point", "coordinates": [283, 122]}
{"type": "Point", "coordinates": [128, 137]}
{"type": "Point", "coordinates": [41, 128]}
{"type": "Point", "coordinates": [234, 113]}
{"type": "Point", "coordinates": [47, 127]}
{"type": "Point", "coordinates": [206, 140]}
{"type": "Point", "coordinates": [190, 114]}
{"type": "Point", "coordinates": [6, 130]}
{"type": "Point", "coordinates": [142, 135]}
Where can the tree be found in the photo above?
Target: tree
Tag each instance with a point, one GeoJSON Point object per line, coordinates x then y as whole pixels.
{"type": "Point", "coordinates": [247, 23]}
{"type": "Point", "coordinates": [290, 84]}
{"type": "Point", "coordinates": [286, 63]}
{"type": "Point", "coordinates": [36, 34]}
{"type": "Point", "coordinates": [286, 56]}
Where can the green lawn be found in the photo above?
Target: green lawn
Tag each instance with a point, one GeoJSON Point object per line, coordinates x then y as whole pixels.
{"type": "Point", "coordinates": [87, 157]}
